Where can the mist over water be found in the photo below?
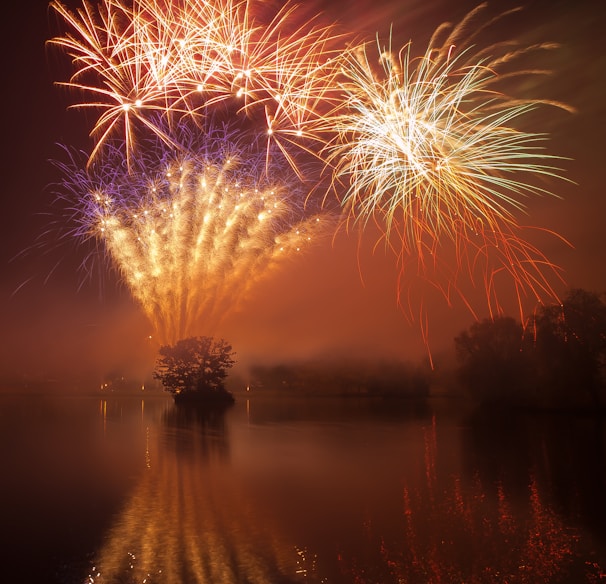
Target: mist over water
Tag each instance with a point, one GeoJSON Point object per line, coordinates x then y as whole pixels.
{"type": "Point", "coordinates": [297, 490]}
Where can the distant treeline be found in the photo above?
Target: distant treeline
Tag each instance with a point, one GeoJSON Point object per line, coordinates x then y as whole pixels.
{"type": "Point", "coordinates": [343, 377]}
{"type": "Point", "coordinates": [556, 359]}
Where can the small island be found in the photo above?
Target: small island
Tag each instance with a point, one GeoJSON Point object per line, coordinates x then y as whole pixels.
{"type": "Point", "coordinates": [194, 369]}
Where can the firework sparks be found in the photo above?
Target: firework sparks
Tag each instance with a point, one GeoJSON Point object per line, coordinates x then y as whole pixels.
{"type": "Point", "coordinates": [192, 236]}
{"type": "Point", "coordinates": [429, 149]}
{"type": "Point", "coordinates": [187, 59]}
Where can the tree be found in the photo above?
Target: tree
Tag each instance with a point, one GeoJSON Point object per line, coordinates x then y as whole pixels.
{"type": "Point", "coordinates": [492, 365]}
{"type": "Point", "coordinates": [569, 344]}
{"type": "Point", "coordinates": [195, 367]}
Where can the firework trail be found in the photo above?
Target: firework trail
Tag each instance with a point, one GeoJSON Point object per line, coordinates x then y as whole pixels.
{"type": "Point", "coordinates": [189, 217]}
{"type": "Point", "coordinates": [190, 235]}
{"type": "Point", "coordinates": [429, 149]}
{"type": "Point", "coordinates": [189, 58]}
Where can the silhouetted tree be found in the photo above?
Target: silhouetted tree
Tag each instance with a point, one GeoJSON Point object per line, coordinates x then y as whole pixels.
{"type": "Point", "coordinates": [196, 366]}
{"type": "Point", "coordinates": [569, 342]}
{"type": "Point", "coordinates": [491, 363]}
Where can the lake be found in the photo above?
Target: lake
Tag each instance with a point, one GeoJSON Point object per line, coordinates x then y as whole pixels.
{"type": "Point", "coordinates": [107, 489]}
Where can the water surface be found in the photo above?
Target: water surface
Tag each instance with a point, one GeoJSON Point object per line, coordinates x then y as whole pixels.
{"type": "Point", "coordinates": [293, 490]}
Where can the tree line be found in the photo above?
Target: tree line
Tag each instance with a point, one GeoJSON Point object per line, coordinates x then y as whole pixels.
{"type": "Point", "coordinates": [556, 358]}
{"type": "Point", "coordinates": [345, 376]}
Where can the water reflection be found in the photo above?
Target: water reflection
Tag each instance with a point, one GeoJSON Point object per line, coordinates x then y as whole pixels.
{"type": "Point", "coordinates": [200, 432]}
{"type": "Point", "coordinates": [322, 492]}
{"type": "Point", "coordinates": [565, 453]}
{"type": "Point", "coordinates": [486, 525]}
{"type": "Point", "coordinates": [188, 521]}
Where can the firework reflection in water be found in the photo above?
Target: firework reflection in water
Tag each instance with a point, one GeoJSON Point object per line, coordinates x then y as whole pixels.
{"type": "Point", "coordinates": [187, 521]}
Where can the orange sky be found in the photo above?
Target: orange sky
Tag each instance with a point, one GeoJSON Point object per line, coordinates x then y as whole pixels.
{"type": "Point", "coordinates": [318, 304]}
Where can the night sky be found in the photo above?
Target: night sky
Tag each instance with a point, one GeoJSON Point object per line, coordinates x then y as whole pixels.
{"type": "Point", "coordinates": [58, 321]}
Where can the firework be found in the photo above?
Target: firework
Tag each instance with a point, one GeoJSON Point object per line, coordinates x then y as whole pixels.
{"type": "Point", "coordinates": [193, 58]}
{"type": "Point", "coordinates": [190, 235]}
{"type": "Point", "coordinates": [429, 148]}
{"type": "Point", "coordinates": [187, 215]}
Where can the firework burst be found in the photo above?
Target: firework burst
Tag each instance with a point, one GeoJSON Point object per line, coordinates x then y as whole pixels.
{"type": "Point", "coordinates": [195, 58]}
{"type": "Point", "coordinates": [430, 149]}
{"type": "Point", "coordinates": [190, 235]}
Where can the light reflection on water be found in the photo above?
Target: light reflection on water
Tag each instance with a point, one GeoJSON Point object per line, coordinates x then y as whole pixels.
{"type": "Point", "coordinates": [312, 491]}
{"type": "Point", "coordinates": [187, 520]}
